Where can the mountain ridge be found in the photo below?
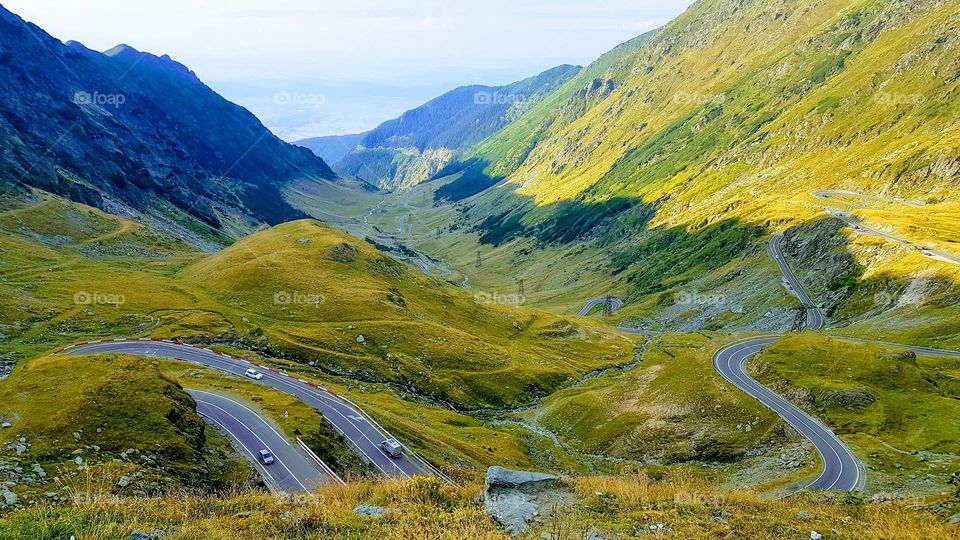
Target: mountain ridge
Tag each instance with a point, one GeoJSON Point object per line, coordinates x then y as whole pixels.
{"type": "Point", "coordinates": [135, 127]}
{"type": "Point", "coordinates": [412, 148]}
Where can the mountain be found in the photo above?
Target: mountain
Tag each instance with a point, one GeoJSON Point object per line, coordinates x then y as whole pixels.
{"type": "Point", "coordinates": [724, 113]}
{"type": "Point", "coordinates": [133, 128]}
{"type": "Point", "coordinates": [412, 148]}
{"type": "Point", "coordinates": [332, 148]}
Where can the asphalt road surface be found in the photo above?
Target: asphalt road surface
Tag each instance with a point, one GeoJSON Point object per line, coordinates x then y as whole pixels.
{"type": "Point", "coordinates": [615, 304]}
{"type": "Point", "coordinates": [841, 469]}
{"type": "Point", "coordinates": [358, 428]}
{"type": "Point", "coordinates": [291, 472]}
{"type": "Point", "coordinates": [815, 319]}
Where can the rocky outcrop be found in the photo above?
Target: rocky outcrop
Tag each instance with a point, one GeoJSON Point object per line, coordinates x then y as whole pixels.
{"type": "Point", "coordinates": [516, 499]}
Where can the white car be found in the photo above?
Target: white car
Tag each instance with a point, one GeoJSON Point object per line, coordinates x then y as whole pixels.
{"type": "Point", "coordinates": [266, 457]}
{"type": "Point", "coordinates": [254, 374]}
{"type": "Point", "coordinates": [392, 448]}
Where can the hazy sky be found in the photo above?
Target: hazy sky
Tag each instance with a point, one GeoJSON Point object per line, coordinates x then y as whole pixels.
{"type": "Point", "coordinates": [340, 66]}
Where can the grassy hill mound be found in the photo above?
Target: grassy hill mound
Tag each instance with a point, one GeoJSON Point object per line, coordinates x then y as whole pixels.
{"type": "Point", "coordinates": [322, 296]}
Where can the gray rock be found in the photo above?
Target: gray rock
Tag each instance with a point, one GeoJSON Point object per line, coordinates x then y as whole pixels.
{"type": "Point", "coordinates": [505, 478]}
{"type": "Point", "coordinates": [124, 481]}
{"type": "Point", "coordinates": [6, 425]}
{"type": "Point", "coordinates": [153, 535]}
{"type": "Point", "coordinates": [803, 514]}
{"type": "Point", "coordinates": [370, 511]}
{"type": "Point", "coordinates": [722, 516]}
{"type": "Point", "coordinates": [514, 499]}
{"type": "Point", "coordinates": [954, 519]}
{"type": "Point", "coordinates": [8, 498]}
{"type": "Point", "coordinates": [361, 339]}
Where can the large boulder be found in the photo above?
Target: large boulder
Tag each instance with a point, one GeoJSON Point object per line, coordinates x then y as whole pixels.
{"type": "Point", "coordinates": [515, 499]}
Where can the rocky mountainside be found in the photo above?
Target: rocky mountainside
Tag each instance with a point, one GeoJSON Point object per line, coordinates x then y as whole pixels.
{"type": "Point", "coordinates": [130, 127]}
{"type": "Point", "coordinates": [412, 148]}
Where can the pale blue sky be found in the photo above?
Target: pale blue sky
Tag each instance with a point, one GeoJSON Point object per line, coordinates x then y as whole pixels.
{"type": "Point", "coordinates": [339, 66]}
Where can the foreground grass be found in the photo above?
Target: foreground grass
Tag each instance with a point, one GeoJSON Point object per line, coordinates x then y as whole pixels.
{"type": "Point", "coordinates": [625, 506]}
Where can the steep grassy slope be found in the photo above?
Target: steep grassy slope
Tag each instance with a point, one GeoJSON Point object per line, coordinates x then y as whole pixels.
{"type": "Point", "coordinates": [661, 171]}
{"type": "Point", "coordinates": [623, 507]}
{"type": "Point", "coordinates": [412, 148]}
{"type": "Point", "coordinates": [832, 89]}
{"type": "Point", "coordinates": [877, 289]}
{"type": "Point", "coordinates": [73, 422]}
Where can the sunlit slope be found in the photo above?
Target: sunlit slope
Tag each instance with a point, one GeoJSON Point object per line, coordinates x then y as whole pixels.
{"type": "Point", "coordinates": [329, 298]}
{"type": "Point", "coordinates": [731, 107]}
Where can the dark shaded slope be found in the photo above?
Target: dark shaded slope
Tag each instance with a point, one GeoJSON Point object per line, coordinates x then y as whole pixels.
{"type": "Point", "coordinates": [133, 126]}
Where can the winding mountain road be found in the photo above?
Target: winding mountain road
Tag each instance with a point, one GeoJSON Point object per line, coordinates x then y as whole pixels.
{"type": "Point", "coordinates": [841, 468]}
{"type": "Point", "coordinates": [815, 317]}
{"type": "Point", "coordinates": [291, 472]}
{"type": "Point", "coordinates": [841, 471]}
{"type": "Point", "coordinates": [615, 304]}
{"type": "Point", "coordinates": [860, 228]}
{"type": "Point", "coordinates": [360, 429]}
